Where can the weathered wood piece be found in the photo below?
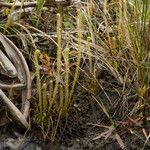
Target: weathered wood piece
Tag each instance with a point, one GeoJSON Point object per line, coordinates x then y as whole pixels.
{"type": "Point", "coordinates": [21, 66]}
{"type": "Point", "coordinates": [15, 112]}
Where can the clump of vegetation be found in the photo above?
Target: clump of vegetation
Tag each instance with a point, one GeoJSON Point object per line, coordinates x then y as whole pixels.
{"type": "Point", "coordinates": [57, 100]}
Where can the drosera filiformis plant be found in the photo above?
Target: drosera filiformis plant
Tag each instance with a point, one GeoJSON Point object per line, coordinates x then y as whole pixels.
{"type": "Point", "coordinates": [79, 53]}
{"type": "Point", "coordinates": [58, 59]}
{"type": "Point", "coordinates": [38, 82]}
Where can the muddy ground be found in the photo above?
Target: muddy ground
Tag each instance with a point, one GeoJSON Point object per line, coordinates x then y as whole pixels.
{"type": "Point", "coordinates": [78, 131]}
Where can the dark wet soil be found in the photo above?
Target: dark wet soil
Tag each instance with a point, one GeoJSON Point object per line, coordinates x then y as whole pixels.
{"type": "Point", "coordinates": [78, 134]}
{"type": "Point", "coordinates": [78, 131]}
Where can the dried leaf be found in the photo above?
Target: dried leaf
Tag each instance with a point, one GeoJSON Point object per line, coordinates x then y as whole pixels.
{"type": "Point", "coordinates": [6, 67]}
{"type": "Point", "coordinates": [144, 132]}
{"type": "Point", "coordinates": [135, 122]}
{"type": "Point", "coordinates": [14, 55]}
{"type": "Point", "coordinates": [105, 134]}
{"type": "Point", "coordinates": [110, 134]}
{"type": "Point", "coordinates": [119, 140]}
{"type": "Point", "coordinates": [20, 64]}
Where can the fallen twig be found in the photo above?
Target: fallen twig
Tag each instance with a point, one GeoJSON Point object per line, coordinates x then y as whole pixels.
{"type": "Point", "coordinates": [32, 4]}
{"type": "Point", "coordinates": [17, 86]}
